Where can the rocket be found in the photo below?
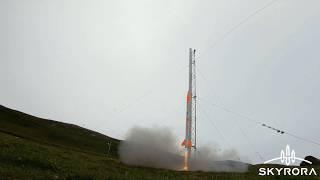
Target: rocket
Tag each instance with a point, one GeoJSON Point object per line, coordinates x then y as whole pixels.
{"type": "Point", "coordinates": [187, 142]}
{"type": "Point", "coordinates": [191, 107]}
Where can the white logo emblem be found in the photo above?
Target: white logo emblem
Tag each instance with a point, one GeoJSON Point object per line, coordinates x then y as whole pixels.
{"type": "Point", "coordinates": [287, 157]}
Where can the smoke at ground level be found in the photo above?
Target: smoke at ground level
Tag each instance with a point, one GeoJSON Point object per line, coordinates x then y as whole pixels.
{"type": "Point", "coordinates": [158, 147]}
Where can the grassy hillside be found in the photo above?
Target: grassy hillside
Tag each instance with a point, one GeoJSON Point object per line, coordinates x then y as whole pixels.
{"type": "Point", "coordinates": [34, 148]}
{"type": "Point", "coordinates": [54, 133]}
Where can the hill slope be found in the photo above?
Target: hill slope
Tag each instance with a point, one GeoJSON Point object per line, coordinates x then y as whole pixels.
{"type": "Point", "coordinates": [35, 148]}
{"type": "Point", "coordinates": [54, 133]}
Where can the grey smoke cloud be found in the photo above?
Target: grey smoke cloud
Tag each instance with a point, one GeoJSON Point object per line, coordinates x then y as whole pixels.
{"type": "Point", "coordinates": [212, 158]}
{"type": "Point", "coordinates": [152, 147]}
{"type": "Point", "coordinates": [158, 147]}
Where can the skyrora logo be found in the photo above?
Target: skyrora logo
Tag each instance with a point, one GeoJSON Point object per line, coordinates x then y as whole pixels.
{"type": "Point", "coordinates": [287, 157]}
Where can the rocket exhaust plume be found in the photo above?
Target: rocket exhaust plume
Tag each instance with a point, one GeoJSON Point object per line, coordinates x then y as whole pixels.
{"type": "Point", "coordinates": [158, 147]}
{"type": "Point", "coordinates": [185, 165]}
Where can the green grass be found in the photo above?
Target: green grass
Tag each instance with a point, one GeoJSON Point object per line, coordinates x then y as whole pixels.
{"type": "Point", "coordinates": [31, 149]}
{"type": "Point", "coordinates": [54, 133]}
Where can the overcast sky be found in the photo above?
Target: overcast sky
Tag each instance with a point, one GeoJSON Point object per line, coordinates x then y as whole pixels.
{"type": "Point", "coordinates": [111, 65]}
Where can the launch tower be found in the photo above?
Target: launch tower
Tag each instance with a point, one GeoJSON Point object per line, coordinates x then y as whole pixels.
{"type": "Point", "coordinates": [190, 141]}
